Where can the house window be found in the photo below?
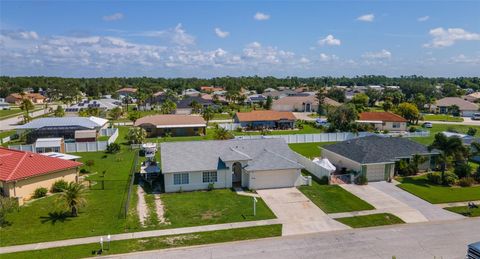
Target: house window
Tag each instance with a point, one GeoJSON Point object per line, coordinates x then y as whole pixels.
{"type": "Point", "coordinates": [396, 125]}
{"type": "Point", "coordinates": [209, 177]}
{"type": "Point", "coordinates": [180, 179]}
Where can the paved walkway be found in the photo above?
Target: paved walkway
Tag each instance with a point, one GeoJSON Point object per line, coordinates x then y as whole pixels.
{"type": "Point", "coordinates": [136, 235]}
{"type": "Point", "coordinates": [298, 214]}
{"type": "Point", "coordinates": [412, 241]}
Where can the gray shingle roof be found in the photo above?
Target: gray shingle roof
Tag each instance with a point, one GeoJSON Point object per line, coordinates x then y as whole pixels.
{"type": "Point", "coordinates": [264, 154]}
{"type": "Point", "coordinates": [375, 149]}
{"type": "Point", "coordinates": [87, 122]}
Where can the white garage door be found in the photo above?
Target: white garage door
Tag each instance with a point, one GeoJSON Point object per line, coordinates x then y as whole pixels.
{"type": "Point", "coordinates": [273, 179]}
{"type": "Point", "coordinates": [376, 173]}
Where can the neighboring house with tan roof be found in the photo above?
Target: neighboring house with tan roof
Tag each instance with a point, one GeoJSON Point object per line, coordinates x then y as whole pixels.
{"type": "Point", "coordinates": [22, 172]}
{"type": "Point", "coordinates": [467, 109]}
{"type": "Point", "coordinates": [210, 89]}
{"type": "Point", "coordinates": [176, 125]}
{"type": "Point", "coordinates": [16, 98]}
{"type": "Point", "coordinates": [265, 119]}
{"type": "Point", "coordinates": [301, 103]}
{"type": "Point", "coordinates": [473, 97]}
{"type": "Point", "coordinates": [383, 121]}
{"type": "Point", "coordinates": [126, 91]}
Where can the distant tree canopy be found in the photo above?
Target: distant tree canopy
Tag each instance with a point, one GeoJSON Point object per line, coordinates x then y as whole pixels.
{"type": "Point", "coordinates": [68, 89]}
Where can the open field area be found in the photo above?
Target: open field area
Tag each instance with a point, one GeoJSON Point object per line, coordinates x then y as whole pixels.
{"type": "Point", "coordinates": [372, 220]}
{"type": "Point", "coordinates": [432, 193]}
{"type": "Point", "coordinates": [145, 244]}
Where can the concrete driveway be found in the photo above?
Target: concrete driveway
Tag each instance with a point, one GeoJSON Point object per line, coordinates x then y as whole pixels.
{"type": "Point", "coordinates": [297, 213]}
{"type": "Point", "coordinates": [386, 197]}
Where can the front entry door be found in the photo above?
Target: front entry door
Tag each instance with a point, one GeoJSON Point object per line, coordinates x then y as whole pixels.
{"type": "Point", "coordinates": [237, 173]}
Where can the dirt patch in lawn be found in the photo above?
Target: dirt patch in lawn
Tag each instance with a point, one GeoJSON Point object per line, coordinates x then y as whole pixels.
{"type": "Point", "coordinates": [210, 214]}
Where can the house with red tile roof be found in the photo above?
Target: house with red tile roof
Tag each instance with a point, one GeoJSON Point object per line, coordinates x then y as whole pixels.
{"type": "Point", "coordinates": [16, 98]}
{"type": "Point", "coordinates": [383, 121]}
{"type": "Point", "coordinates": [22, 172]}
{"type": "Point", "coordinates": [265, 119]}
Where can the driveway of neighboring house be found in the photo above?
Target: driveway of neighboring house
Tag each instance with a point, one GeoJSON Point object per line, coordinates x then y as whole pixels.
{"type": "Point", "coordinates": [386, 197]}
{"type": "Point", "coordinates": [430, 211]}
{"type": "Point", "coordinates": [297, 213]}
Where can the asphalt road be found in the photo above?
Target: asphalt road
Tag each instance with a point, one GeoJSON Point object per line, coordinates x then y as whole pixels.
{"type": "Point", "coordinates": [12, 122]}
{"type": "Point", "coordinates": [446, 239]}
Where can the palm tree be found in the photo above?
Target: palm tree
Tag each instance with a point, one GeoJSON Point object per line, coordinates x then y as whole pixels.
{"type": "Point", "coordinates": [73, 197]}
{"type": "Point", "coordinates": [168, 107]}
{"type": "Point", "coordinates": [449, 147]}
{"type": "Point", "coordinates": [136, 135]}
{"type": "Point", "coordinates": [26, 105]}
{"type": "Point", "coordinates": [416, 161]}
{"type": "Point", "coordinates": [222, 133]}
{"type": "Point", "coordinates": [208, 114]}
{"type": "Point", "coordinates": [196, 106]}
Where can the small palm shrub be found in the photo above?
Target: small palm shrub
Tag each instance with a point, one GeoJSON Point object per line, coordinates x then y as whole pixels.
{"type": "Point", "coordinates": [466, 182]}
{"type": "Point", "coordinates": [40, 192]}
{"type": "Point", "coordinates": [58, 186]}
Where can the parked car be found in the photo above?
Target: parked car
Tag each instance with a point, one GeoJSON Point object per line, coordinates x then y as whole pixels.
{"type": "Point", "coordinates": [322, 122]}
{"type": "Point", "coordinates": [427, 125]}
{"type": "Point", "coordinates": [473, 251]}
{"type": "Point", "coordinates": [476, 116]}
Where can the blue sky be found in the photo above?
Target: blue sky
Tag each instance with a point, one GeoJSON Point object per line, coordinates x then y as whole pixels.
{"type": "Point", "coordinates": [215, 38]}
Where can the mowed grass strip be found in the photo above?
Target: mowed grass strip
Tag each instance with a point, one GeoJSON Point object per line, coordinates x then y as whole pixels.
{"type": "Point", "coordinates": [333, 198]}
{"type": "Point", "coordinates": [380, 219]}
{"type": "Point", "coordinates": [211, 207]}
{"type": "Point", "coordinates": [145, 244]}
{"type": "Point", "coordinates": [465, 211]}
{"type": "Point", "coordinates": [434, 193]}
{"type": "Point", "coordinates": [442, 117]}
{"type": "Point", "coordinates": [42, 220]}
{"type": "Point", "coordinates": [309, 150]}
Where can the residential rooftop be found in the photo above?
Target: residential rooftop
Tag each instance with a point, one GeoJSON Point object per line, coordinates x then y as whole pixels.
{"type": "Point", "coordinates": [169, 120]}
{"type": "Point", "coordinates": [381, 116]}
{"type": "Point", "coordinates": [87, 122]}
{"type": "Point", "coordinates": [264, 116]}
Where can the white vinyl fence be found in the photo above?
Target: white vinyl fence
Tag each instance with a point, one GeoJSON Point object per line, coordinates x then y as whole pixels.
{"type": "Point", "coordinates": [5, 140]}
{"type": "Point", "coordinates": [312, 167]}
{"type": "Point", "coordinates": [80, 146]}
{"type": "Point", "coordinates": [230, 126]}
{"type": "Point", "coordinates": [329, 137]}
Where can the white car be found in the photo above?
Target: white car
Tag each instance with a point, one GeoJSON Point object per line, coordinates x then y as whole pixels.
{"type": "Point", "coordinates": [427, 125]}
{"type": "Point", "coordinates": [476, 116]}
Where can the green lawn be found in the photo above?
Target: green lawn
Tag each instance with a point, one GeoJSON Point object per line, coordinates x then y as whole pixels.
{"type": "Point", "coordinates": [222, 116]}
{"type": "Point", "coordinates": [145, 244]}
{"type": "Point", "coordinates": [310, 150]}
{"type": "Point", "coordinates": [442, 117]}
{"type": "Point", "coordinates": [7, 133]}
{"type": "Point", "coordinates": [463, 210]}
{"type": "Point", "coordinates": [41, 220]}
{"type": "Point", "coordinates": [307, 129]}
{"type": "Point", "coordinates": [433, 193]}
{"type": "Point", "coordinates": [372, 220]}
{"type": "Point", "coordinates": [444, 127]}
{"type": "Point", "coordinates": [333, 198]}
{"type": "Point", "coordinates": [9, 113]}
{"type": "Point", "coordinates": [211, 207]}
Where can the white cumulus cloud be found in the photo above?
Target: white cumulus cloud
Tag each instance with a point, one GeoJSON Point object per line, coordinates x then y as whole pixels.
{"type": "Point", "coordinates": [113, 17]}
{"type": "Point", "coordinates": [382, 54]}
{"type": "Point", "coordinates": [329, 40]}
{"type": "Point", "coordinates": [177, 35]}
{"type": "Point", "coordinates": [366, 17]}
{"type": "Point", "coordinates": [221, 34]}
{"type": "Point", "coordinates": [261, 16]}
{"type": "Point", "coordinates": [423, 18]}
{"type": "Point", "coordinates": [447, 37]}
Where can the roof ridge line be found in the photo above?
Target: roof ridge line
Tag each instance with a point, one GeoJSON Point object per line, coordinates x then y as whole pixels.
{"type": "Point", "coordinates": [17, 165]}
{"type": "Point", "coordinates": [288, 159]}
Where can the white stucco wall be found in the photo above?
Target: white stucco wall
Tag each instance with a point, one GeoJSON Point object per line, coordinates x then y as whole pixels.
{"type": "Point", "coordinates": [224, 180]}
{"type": "Point", "coordinates": [273, 179]}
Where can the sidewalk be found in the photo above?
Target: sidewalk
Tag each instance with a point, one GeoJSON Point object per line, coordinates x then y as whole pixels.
{"type": "Point", "coordinates": [137, 235]}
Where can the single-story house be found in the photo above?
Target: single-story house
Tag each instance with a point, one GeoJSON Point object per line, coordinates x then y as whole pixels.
{"type": "Point", "coordinates": [383, 121]}
{"type": "Point", "coordinates": [190, 92]}
{"type": "Point", "coordinates": [265, 119]}
{"type": "Point", "coordinates": [105, 104]}
{"type": "Point", "coordinates": [127, 91]}
{"type": "Point", "coordinates": [22, 172]}
{"type": "Point", "coordinates": [256, 98]}
{"type": "Point", "coordinates": [45, 145]}
{"type": "Point", "coordinates": [254, 164]}
{"type": "Point", "coordinates": [16, 98]}
{"type": "Point", "coordinates": [467, 109]}
{"type": "Point", "coordinates": [184, 106]}
{"type": "Point", "coordinates": [284, 93]}
{"type": "Point", "coordinates": [375, 156]}
{"type": "Point", "coordinates": [60, 127]}
{"type": "Point", "coordinates": [301, 103]}
{"type": "Point", "coordinates": [174, 124]}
